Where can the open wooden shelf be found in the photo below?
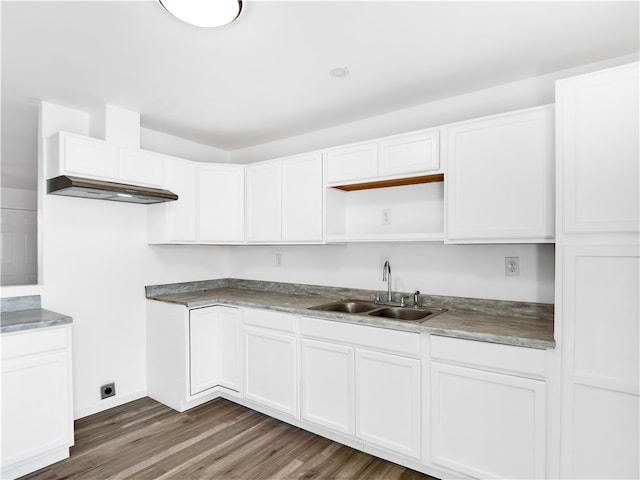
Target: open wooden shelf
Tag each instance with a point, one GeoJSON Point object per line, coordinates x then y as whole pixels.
{"type": "Point", "coordinates": [396, 182]}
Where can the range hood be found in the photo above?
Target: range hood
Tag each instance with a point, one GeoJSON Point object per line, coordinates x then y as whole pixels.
{"type": "Point", "coordinates": [102, 190]}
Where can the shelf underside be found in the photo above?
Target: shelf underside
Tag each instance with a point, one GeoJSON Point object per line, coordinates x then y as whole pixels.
{"type": "Point", "coordinates": [396, 182]}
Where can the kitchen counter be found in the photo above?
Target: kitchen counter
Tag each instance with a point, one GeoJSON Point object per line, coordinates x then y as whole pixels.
{"type": "Point", "coordinates": [511, 323]}
{"type": "Point", "coordinates": [25, 313]}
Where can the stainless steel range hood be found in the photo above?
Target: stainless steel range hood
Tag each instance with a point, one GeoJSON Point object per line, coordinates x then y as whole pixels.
{"type": "Point", "coordinates": [102, 190]}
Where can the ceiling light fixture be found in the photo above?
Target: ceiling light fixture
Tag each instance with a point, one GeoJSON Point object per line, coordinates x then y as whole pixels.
{"type": "Point", "coordinates": [204, 13]}
{"type": "Point", "coordinates": [339, 72]}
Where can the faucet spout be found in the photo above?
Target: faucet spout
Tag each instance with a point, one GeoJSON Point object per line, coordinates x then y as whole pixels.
{"type": "Point", "coordinates": [386, 277]}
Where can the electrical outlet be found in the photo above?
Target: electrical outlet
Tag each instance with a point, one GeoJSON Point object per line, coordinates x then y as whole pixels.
{"type": "Point", "coordinates": [278, 259]}
{"type": "Point", "coordinates": [386, 216]}
{"type": "Point", "coordinates": [108, 390]}
{"type": "Point", "coordinates": [512, 266]}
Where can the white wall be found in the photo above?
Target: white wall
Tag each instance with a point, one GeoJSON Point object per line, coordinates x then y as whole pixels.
{"type": "Point", "coordinates": [95, 264]}
{"type": "Point", "coordinates": [457, 270]}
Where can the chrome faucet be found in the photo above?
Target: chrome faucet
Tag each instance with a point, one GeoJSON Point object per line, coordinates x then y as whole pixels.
{"type": "Point", "coordinates": [386, 277]}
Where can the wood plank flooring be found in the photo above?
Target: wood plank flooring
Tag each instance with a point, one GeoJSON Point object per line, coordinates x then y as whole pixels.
{"type": "Point", "coordinates": [219, 440]}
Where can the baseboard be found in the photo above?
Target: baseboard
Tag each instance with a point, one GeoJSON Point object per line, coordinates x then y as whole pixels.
{"type": "Point", "coordinates": [108, 403]}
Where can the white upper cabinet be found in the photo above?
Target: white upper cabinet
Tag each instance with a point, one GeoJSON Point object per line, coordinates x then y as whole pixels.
{"type": "Point", "coordinates": [77, 155]}
{"type": "Point", "coordinates": [284, 199]}
{"type": "Point", "coordinates": [400, 155]}
{"type": "Point", "coordinates": [413, 152]}
{"type": "Point", "coordinates": [264, 202]}
{"type": "Point", "coordinates": [598, 157]}
{"type": "Point", "coordinates": [302, 198]}
{"type": "Point", "coordinates": [141, 167]}
{"type": "Point", "coordinates": [352, 162]}
{"type": "Point", "coordinates": [220, 203]}
{"type": "Point", "coordinates": [499, 179]}
{"type": "Point", "coordinates": [71, 154]}
{"type": "Point", "coordinates": [176, 222]}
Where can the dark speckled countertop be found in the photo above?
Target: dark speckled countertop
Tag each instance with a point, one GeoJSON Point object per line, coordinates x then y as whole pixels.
{"type": "Point", "coordinates": [496, 321]}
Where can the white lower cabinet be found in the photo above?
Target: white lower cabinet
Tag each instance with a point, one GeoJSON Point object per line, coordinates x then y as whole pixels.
{"type": "Point", "coordinates": [270, 363]}
{"type": "Point", "coordinates": [37, 412]}
{"type": "Point", "coordinates": [388, 401]}
{"type": "Point", "coordinates": [328, 385]}
{"type": "Point", "coordinates": [483, 423]}
{"type": "Point", "coordinates": [349, 388]}
{"type": "Point", "coordinates": [192, 355]}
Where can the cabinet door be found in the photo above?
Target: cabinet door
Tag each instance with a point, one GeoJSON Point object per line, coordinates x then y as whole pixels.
{"type": "Point", "coordinates": [598, 150]}
{"type": "Point", "coordinates": [270, 369]}
{"type": "Point", "coordinates": [142, 168]}
{"type": "Point", "coordinates": [487, 425]}
{"type": "Point", "coordinates": [388, 401]}
{"type": "Point", "coordinates": [204, 354]}
{"type": "Point", "coordinates": [221, 203]}
{"type": "Point", "coordinates": [327, 385]}
{"type": "Point", "coordinates": [352, 162]}
{"type": "Point", "coordinates": [182, 216]}
{"type": "Point", "coordinates": [84, 156]}
{"type": "Point", "coordinates": [302, 198]}
{"type": "Point", "coordinates": [499, 180]}
{"type": "Point", "coordinates": [230, 347]}
{"type": "Point", "coordinates": [264, 202]}
{"type": "Point", "coordinates": [410, 153]}
{"type": "Point", "coordinates": [36, 406]}
{"type": "Point", "coordinates": [601, 361]}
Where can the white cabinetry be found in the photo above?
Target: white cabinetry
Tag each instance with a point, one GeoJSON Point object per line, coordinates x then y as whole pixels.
{"type": "Point", "coordinates": [598, 149]}
{"type": "Point", "coordinates": [264, 202]}
{"type": "Point", "coordinates": [488, 409]}
{"type": "Point", "coordinates": [37, 412]}
{"type": "Point", "coordinates": [192, 355]}
{"type": "Point", "coordinates": [362, 381]}
{"type": "Point", "coordinates": [284, 200]}
{"type": "Point", "coordinates": [176, 222]}
{"type": "Point", "coordinates": [270, 363]}
{"type": "Point", "coordinates": [210, 205]}
{"type": "Point", "coordinates": [400, 155]}
{"type": "Point", "coordinates": [500, 178]}
{"type": "Point", "coordinates": [598, 273]}
{"type": "Point", "coordinates": [220, 203]}
{"type": "Point", "coordinates": [77, 155]}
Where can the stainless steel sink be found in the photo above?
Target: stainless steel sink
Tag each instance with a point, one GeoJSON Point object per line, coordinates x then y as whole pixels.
{"type": "Point", "coordinates": [363, 307]}
{"type": "Point", "coordinates": [405, 313]}
{"type": "Point", "coordinates": [346, 306]}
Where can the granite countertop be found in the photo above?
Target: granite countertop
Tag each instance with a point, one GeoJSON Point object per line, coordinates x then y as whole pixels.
{"type": "Point", "coordinates": [511, 323]}
{"type": "Point", "coordinates": [25, 313]}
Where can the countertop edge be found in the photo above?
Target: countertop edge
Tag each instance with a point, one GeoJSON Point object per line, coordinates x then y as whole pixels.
{"type": "Point", "coordinates": [423, 327]}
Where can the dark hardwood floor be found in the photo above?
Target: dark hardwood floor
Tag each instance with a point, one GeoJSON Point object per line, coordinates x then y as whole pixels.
{"type": "Point", "coordinates": [219, 440]}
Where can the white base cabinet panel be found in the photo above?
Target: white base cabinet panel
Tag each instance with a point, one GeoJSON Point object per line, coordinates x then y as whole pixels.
{"type": "Point", "coordinates": [192, 355]}
{"type": "Point", "coordinates": [37, 411]}
{"type": "Point", "coordinates": [486, 424]}
{"type": "Point", "coordinates": [270, 363]}
{"type": "Point", "coordinates": [388, 401]}
{"type": "Point", "coordinates": [327, 385]}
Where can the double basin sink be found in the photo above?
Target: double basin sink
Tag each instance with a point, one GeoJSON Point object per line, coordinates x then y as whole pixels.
{"type": "Point", "coordinates": [363, 307]}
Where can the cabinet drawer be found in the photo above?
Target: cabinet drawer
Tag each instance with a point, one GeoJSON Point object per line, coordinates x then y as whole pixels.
{"type": "Point", "coordinates": [393, 341]}
{"type": "Point", "coordinates": [269, 319]}
{"type": "Point", "coordinates": [505, 358]}
{"type": "Point", "coordinates": [30, 342]}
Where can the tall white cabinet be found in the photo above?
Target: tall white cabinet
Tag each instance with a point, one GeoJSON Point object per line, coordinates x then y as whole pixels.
{"type": "Point", "coordinates": [597, 273]}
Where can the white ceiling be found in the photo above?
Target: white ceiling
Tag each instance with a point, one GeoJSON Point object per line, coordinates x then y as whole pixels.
{"type": "Point", "coordinates": [265, 77]}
